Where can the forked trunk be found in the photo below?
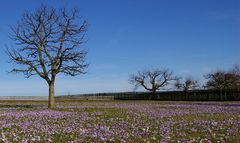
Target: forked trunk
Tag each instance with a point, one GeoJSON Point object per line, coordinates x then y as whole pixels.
{"type": "Point", "coordinates": [51, 100]}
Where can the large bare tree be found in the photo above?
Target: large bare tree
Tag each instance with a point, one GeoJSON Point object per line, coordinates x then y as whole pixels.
{"type": "Point", "coordinates": [152, 80]}
{"type": "Point", "coordinates": [49, 42]}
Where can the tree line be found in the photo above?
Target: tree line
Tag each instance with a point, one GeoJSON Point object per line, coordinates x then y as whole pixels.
{"type": "Point", "coordinates": [157, 79]}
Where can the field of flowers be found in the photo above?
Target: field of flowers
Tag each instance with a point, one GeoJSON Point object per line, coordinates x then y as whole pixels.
{"type": "Point", "coordinates": [122, 121]}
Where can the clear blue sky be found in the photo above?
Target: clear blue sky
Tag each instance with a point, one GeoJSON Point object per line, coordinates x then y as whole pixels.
{"type": "Point", "coordinates": [191, 37]}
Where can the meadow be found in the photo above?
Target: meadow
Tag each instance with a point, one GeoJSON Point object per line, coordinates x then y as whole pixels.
{"type": "Point", "coordinates": [119, 121]}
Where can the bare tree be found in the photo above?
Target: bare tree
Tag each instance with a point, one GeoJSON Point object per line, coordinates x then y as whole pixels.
{"type": "Point", "coordinates": [222, 80]}
{"type": "Point", "coordinates": [48, 42]}
{"type": "Point", "coordinates": [152, 80]}
{"type": "Point", "coordinates": [216, 80]}
{"type": "Point", "coordinates": [186, 84]}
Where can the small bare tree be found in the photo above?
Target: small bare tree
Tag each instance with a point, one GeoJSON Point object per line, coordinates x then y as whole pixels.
{"type": "Point", "coordinates": [152, 80]}
{"type": "Point", "coordinates": [186, 85]}
{"type": "Point", "coordinates": [48, 42]}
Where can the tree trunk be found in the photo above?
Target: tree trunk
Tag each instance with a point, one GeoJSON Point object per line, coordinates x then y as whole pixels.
{"type": "Point", "coordinates": [51, 100]}
{"type": "Point", "coordinates": [187, 97]}
{"type": "Point", "coordinates": [154, 95]}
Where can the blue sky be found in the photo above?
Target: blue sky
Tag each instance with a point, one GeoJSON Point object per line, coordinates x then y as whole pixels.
{"type": "Point", "coordinates": [190, 37]}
